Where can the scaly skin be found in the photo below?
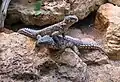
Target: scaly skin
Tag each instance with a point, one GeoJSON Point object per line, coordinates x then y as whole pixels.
{"type": "Point", "coordinates": [57, 42]}
{"type": "Point", "coordinates": [56, 29]}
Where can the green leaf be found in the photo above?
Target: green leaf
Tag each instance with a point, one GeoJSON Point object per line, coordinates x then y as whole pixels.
{"type": "Point", "coordinates": [38, 5]}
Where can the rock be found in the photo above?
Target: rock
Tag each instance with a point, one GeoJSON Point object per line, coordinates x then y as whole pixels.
{"type": "Point", "coordinates": [106, 13]}
{"type": "Point", "coordinates": [20, 61]}
{"type": "Point", "coordinates": [94, 58]}
{"type": "Point", "coordinates": [73, 68]}
{"type": "Point", "coordinates": [105, 73]}
{"type": "Point", "coordinates": [108, 18]}
{"type": "Point", "coordinates": [116, 2]}
{"type": "Point", "coordinates": [7, 31]}
{"type": "Point", "coordinates": [77, 33]}
{"type": "Point", "coordinates": [113, 40]}
{"type": "Point", "coordinates": [51, 11]}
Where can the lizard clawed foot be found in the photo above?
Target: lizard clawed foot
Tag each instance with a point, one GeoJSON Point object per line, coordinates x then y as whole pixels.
{"type": "Point", "coordinates": [76, 50]}
{"type": "Point", "coordinates": [38, 37]}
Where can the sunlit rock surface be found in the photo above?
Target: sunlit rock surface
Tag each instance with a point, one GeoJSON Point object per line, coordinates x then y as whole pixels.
{"type": "Point", "coordinates": [20, 61]}
{"type": "Point", "coordinates": [105, 73]}
{"type": "Point", "coordinates": [113, 40]}
{"type": "Point", "coordinates": [106, 14]}
{"type": "Point", "coordinates": [108, 20]}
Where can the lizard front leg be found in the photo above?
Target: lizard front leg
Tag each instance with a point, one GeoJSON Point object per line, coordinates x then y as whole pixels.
{"type": "Point", "coordinates": [55, 33]}
{"type": "Point", "coordinates": [58, 33]}
{"type": "Point", "coordinates": [61, 31]}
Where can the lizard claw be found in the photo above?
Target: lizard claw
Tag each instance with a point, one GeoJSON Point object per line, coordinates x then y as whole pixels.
{"type": "Point", "coordinates": [38, 37]}
{"type": "Point", "coordinates": [63, 35]}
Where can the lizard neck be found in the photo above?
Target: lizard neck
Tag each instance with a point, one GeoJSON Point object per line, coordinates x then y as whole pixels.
{"type": "Point", "coordinates": [65, 24]}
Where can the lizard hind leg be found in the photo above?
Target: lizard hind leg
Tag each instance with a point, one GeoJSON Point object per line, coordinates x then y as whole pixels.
{"type": "Point", "coordinates": [76, 50]}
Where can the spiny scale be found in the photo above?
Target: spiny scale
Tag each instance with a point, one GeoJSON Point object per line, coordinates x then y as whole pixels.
{"type": "Point", "coordinates": [89, 46]}
{"type": "Point", "coordinates": [92, 46]}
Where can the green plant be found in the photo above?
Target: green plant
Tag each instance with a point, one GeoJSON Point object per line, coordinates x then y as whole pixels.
{"type": "Point", "coordinates": [37, 8]}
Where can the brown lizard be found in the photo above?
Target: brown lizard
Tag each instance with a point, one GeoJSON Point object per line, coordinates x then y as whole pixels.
{"type": "Point", "coordinates": [56, 29]}
{"type": "Point", "coordinates": [56, 42]}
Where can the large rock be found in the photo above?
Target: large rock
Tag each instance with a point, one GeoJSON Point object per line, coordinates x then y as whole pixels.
{"type": "Point", "coordinates": [105, 73]}
{"type": "Point", "coordinates": [20, 61]}
{"type": "Point", "coordinates": [116, 2]}
{"type": "Point", "coordinates": [108, 18]}
{"type": "Point", "coordinates": [52, 10]}
{"type": "Point", "coordinates": [113, 40]}
{"type": "Point", "coordinates": [106, 13]}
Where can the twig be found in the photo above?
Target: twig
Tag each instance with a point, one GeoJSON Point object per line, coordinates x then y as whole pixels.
{"type": "Point", "coordinates": [3, 12]}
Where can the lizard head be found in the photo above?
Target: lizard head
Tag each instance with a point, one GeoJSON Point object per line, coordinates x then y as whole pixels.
{"type": "Point", "coordinates": [45, 41]}
{"type": "Point", "coordinates": [71, 19]}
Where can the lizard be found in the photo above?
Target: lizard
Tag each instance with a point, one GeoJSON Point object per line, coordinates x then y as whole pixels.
{"type": "Point", "coordinates": [56, 42]}
{"type": "Point", "coordinates": [56, 29]}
